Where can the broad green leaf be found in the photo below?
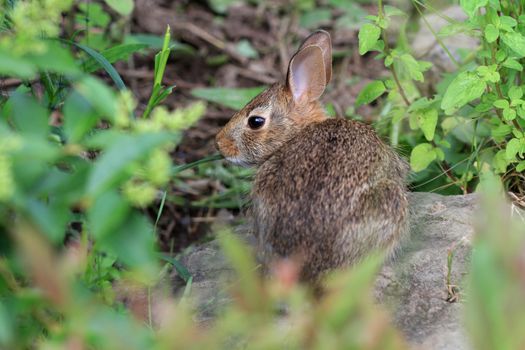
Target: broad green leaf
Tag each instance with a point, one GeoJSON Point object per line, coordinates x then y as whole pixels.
{"type": "Point", "coordinates": [28, 116]}
{"type": "Point", "coordinates": [123, 7]}
{"type": "Point", "coordinates": [467, 86]}
{"type": "Point", "coordinates": [508, 21]}
{"type": "Point", "coordinates": [513, 147]}
{"type": "Point", "coordinates": [133, 242]}
{"type": "Point", "coordinates": [79, 117]}
{"type": "Point", "coordinates": [107, 214]}
{"type": "Point", "coordinates": [110, 167]}
{"type": "Point", "coordinates": [50, 217]}
{"type": "Point", "coordinates": [98, 94]}
{"type": "Point", "coordinates": [229, 97]}
{"type": "Point", "coordinates": [521, 166]}
{"type": "Point", "coordinates": [515, 92]}
{"type": "Point", "coordinates": [499, 162]}
{"type": "Point", "coordinates": [500, 132]}
{"type": "Point", "coordinates": [515, 41]}
{"type": "Point", "coordinates": [501, 104]}
{"type": "Point", "coordinates": [368, 36]}
{"type": "Point", "coordinates": [491, 33]}
{"type": "Point", "coordinates": [512, 64]}
{"type": "Point", "coordinates": [56, 59]}
{"type": "Point", "coordinates": [16, 66]}
{"type": "Point", "coordinates": [413, 67]}
{"type": "Point", "coordinates": [471, 6]}
{"type": "Point", "coordinates": [509, 114]}
{"type": "Point", "coordinates": [370, 92]}
{"type": "Point", "coordinates": [422, 155]}
{"type": "Point", "coordinates": [428, 121]}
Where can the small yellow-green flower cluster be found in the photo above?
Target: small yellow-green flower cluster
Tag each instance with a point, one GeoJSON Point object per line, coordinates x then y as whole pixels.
{"type": "Point", "coordinates": [30, 21]}
{"type": "Point", "coordinates": [126, 104]}
{"type": "Point", "coordinates": [161, 119]}
{"type": "Point", "coordinates": [154, 172]}
{"type": "Point", "coordinates": [179, 120]}
{"type": "Point", "coordinates": [148, 177]}
{"type": "Point", "coordinates": [7, 181]}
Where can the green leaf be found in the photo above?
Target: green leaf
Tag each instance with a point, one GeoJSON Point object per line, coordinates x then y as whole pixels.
{"type": "Point", "coordinates": [98, 94]}
{"type": "Point", "coordinates": [515, 41]}
{"type": "Point", "coordinates": [509, 114]}
{"type": "Point", "coordinates": [110, 167]}
{"type": "Point", "coordinates": [221, 6]}
{"type": "Point", "coordinates": [467, 86]}
{"type": "Point", "coordinates": [521, 166]}
{"type": "Point", "coordinates": [499, 162]}
{"type": "Point", "coordinates": [50, 217]}
{"type": "Point", "coordinates": [6, 326]}
{"type": "Point", "coordinates": [314, 18]}
{"type": "Point", "coordinates": [513, 147]}
{"type": "Point", "coordinates": [28, 116]}
{"type": "Point", "coordinates": [123, 7]}
{"type": "Point", "coordinates": [112, 55]}
{"type": "Point", "coordinates": [16, 66]}
{"type": "Point", "coordinates": [515, 92]}
{"type": "Point", "coordinates": [512, 64]}
{"type": "Point", "coordinates": [428, 121]}
{"type": "Point", "coordinates": [133, 242]}
{"type": "Point", "coordinates": [491, 33]}
{"type": "Point", "coordinates": [508, 21]}
{"type": "Point", "coordinates": [471, 6]}
{"type": "Point", "coordinates": [182, 271]}
{"type": "Point", "coordinates": [370, 92]}
{"type": "Point", "coordinates": [422, 155]}
{"type": "Point", "coordinates": [156, 42]}
{"type": "Point", "coordinates": [112, 72]}
{"type": "Point", "coordinates": [413, 67]}
{"type": "Point", "coordinates": [368, 36]}
{"type": "Point", "coordinates": [500, 132]}
{"type": "Point", "coordinates": [501, 104]}
{"type": "Point", "coordinates": [79, 117]}
{"type": "Point", "coordinates": [246, 49]}
{"type": "Point", "coordinates": [234, 98]}
{"type": "Point", "coordinates": [107, 214]}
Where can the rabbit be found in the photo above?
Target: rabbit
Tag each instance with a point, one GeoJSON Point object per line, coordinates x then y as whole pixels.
{"type": "Point", "coordinates": [327, 190]}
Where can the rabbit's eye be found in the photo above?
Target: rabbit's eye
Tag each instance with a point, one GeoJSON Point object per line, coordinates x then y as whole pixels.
{"type": "Point", "coordinates": [256, 122]}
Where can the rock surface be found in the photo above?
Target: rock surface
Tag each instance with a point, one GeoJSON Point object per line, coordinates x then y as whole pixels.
{"type": "Point", "coordinates": [413, 285]}
{"type": "Point", "coordinates": [427, 47]}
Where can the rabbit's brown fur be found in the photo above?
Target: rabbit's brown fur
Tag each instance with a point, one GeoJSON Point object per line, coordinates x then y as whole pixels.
{"type": "Point", "coordinates": [328, 191]}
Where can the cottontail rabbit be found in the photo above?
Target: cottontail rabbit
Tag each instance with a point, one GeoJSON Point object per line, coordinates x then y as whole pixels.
{"type": "Point", "coordinates": [327, 190]}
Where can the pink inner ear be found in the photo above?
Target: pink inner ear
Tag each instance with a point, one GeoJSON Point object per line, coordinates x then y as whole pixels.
{"type": "Point", "coordinates": [306, 76]}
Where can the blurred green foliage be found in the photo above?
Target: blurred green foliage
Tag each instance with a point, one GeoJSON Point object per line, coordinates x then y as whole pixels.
{"type": "Point", "coordinates": [78, 164]}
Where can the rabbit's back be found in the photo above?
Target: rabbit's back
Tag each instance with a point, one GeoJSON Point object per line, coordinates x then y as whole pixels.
{"type": "Point", "coordinates": [332, 193]}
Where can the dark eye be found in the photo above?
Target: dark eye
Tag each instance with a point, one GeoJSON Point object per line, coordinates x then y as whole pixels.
{"type": "Point", "coordinates": [255, 122]}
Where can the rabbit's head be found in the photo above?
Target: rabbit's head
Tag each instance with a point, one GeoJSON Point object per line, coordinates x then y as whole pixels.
{"type": "Point", "coordinates": [280, 112]}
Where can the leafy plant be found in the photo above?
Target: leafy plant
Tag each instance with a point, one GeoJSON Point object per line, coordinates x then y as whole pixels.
{"type": "Point", "coordinates": [77, 166]}
{"type": "Point", "coordinates": [475, 120]}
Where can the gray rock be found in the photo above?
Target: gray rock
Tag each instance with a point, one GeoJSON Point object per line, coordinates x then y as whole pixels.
{"type": "Point", "coordinates": [413, 285]}
{"type": "Point", "coordinates": [426, 46]}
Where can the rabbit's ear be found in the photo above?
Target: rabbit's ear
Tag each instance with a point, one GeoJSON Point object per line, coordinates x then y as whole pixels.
{"type": "Point", "coordinates": [322, 39]}
{"type": "Point", "coordinates": [306, 75]}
